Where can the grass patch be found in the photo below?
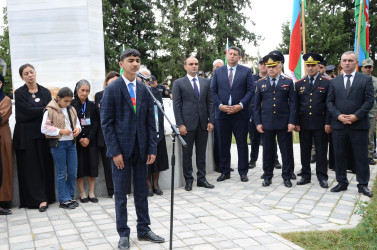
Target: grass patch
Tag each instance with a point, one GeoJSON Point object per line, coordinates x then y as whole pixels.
{"type": "Point", "coordinates": [363, 236]}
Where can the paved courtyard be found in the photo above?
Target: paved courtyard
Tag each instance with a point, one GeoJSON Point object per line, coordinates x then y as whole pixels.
{"type": "Point", "coordinates": [234, 215]}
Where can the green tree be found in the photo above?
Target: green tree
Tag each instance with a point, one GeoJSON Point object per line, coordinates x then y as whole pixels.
{"type": "Point", "coordinates": [5, 53]}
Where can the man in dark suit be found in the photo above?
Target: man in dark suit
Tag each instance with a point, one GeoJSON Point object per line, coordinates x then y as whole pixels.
{"type": "Point", "coordinates": [232, 90]}
{"type": "Point", "coordinates": [193, 111]}
{"type": "Point", "coordinates": [128, 125]}
{"type": "Point", "coordinates": [349, 101]}
{"type": "Point", "coordinates": [313, 119]}
{"type": "Point", "coordinates": [275, 115]}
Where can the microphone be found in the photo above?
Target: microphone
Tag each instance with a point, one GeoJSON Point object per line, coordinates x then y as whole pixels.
{"type": "Point", "coordinates": [142, 76]}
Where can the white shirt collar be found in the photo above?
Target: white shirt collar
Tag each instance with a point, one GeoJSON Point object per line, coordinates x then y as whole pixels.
{"type": "Point", "coordinates": [128, 81]}
{"type": "Point", "coordinates": [190, 78]}
{"type": "Point", "coordinates": [352, 74]}
{"type": "Point", "coordinates": [234, 67]}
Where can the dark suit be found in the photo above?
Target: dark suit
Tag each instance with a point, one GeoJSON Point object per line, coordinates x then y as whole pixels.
{"type": "Point", "coordinates": [312, 118]}
{"type": "Point", "coordinates": [133, 136]}
{"type": "Point", "coordinates": [275, 109]}
{"type": "Point", "coordinates": [195, 114]}
{"type": "Point", "coordinates": [241, 91]}
{"type": "Point", "coordinates": [359, 102]}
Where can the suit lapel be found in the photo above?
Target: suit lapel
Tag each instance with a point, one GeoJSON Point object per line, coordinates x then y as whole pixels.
{"type": "Point", "coordinates": [126, 94]}
{"type": "Point", "coordinates": [236, 76]}
{"type": "Point", "coordinates": [201, 88]}
{"type": "Point", "coordinates": [354, 83]}
{"type": "Point", "coordinates": [226, 77]}
{"type": "Point", "coordinates": [139, 94]}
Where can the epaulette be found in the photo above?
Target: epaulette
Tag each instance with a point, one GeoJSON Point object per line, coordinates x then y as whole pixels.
{"type": "Point", "coordinates": [301, 79]}
{"type": "Point", "coordinates": [286, 76]}
{"type": "Point", "coordinates": [264, 78]}
{"type": "Point", "coordinates": [326, 77]}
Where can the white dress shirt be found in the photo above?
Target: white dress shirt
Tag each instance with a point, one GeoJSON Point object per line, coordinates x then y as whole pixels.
{"type": "Point", "coordinates": [345, 78]}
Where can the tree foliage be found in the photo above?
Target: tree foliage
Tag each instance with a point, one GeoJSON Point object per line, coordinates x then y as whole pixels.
{"type": "Point", "coordinates": [5, 53]}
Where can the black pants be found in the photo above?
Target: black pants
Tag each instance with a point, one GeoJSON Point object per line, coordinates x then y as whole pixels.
{"type": "Point", "coordinates": [106, 162]}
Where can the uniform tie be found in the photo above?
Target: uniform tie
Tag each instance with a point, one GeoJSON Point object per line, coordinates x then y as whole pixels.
{"type": "Point", "coordinates": [348, 84]}
{"type": "Point", "coordinates": [311, 82]}
{"type": "Point", "coordinates": [273, 83]}
{"type": "Point", "coordinates": [196, 89]}
{"type": "Point", "coordinates": [230, 77]}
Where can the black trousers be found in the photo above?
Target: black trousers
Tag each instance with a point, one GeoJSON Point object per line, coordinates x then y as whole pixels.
{"type": "Point", "coordinates": [199, 136]}
{"type": "Point", "coordinates": [320, 143]}
{"type": "Point", "coordinates": [106, 162]}
{"type": "Point", "coordinates": [358, 141]}
{"type": "Point", "coordinates": [286, 150]}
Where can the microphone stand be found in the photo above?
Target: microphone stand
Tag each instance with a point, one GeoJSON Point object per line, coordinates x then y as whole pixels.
{"type": "Point", "coordinates": [173, 135]}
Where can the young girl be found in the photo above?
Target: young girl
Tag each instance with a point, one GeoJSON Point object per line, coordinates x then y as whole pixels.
{"type": "Point", "coordinates": [61, 125]}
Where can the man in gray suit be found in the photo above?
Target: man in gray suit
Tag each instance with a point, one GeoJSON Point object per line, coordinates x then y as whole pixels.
{"type": "Point", "coordinates": [194, 115]}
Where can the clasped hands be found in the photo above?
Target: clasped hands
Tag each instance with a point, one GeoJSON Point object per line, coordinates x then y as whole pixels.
{"type": "Point", "coordinates": [230, 109]}
{"type": "Point", "coordinates": [347, 119]}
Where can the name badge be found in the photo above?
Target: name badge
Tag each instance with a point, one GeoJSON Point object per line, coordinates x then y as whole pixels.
{"type": "Point", "coordinates": [85, 121]}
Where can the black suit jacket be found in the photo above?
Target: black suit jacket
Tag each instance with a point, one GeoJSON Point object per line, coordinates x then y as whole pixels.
{"type": "Point", "coordinates": [312, 109]}
{"type": "Point", "coordinates": [359, 101]}
{"type": "Point", "coordinates": [188, 110]}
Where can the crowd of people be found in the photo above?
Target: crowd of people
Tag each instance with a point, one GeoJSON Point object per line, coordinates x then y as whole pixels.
{"type": "Point", "coordinates": [334, 116]}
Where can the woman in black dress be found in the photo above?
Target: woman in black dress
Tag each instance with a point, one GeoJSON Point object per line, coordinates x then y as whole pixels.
{"type": "Point", "coordinates": [106, 161]}
{"type": "Point", "coordinates": [34, 162]}
{"type": "Point", "coordinates": [86, 142]}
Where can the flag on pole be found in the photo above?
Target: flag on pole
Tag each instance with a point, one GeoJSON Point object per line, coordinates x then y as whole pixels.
{"type": "Point", "coordinates": [121, 70]}
{"type": "Point", "coordinates": [363, 41]}
{"type": "Point", "coordinates": [226, 49]}
{"type": "Point", "coordinates": [295, 43]}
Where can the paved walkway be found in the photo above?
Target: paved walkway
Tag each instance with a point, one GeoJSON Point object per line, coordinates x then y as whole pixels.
{"type": "Point", "coordinates": [234, 215]}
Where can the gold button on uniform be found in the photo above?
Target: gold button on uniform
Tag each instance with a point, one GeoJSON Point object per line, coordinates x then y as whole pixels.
{"type": "Point", "coordinates": [274, 112]}
{"type": "Point", "coordinates": [310, 100]}
{"type": "Point", "coordinates": [311, 93]}
{"type": "Point", "coordinates": [310, 107]}
{"type": "Point", "coordinates": [274, 105]}
{"type": "Point", "coordinates": [274, 98]}
{"type": "Point", "coordinates": [310, 113]}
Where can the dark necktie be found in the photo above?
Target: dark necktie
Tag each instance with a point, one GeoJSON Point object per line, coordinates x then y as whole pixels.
{"type": "Point", "coordinates": [230, 77]}
{"type": "Point", "coordinates": [273, 83]}
{"type": "Point", "coordinates": [311, 82]}
{"type": "Point", "coordinates": [196, 89]}
{"type": "Point", "coordinates": [348, 84]}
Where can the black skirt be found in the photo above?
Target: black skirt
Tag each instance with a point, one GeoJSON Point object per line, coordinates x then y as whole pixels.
{"type": "Point", "coordinates": [87, 160]}
{"type": "Point", "coordinates": [35, 169]}
{"type": "Point", "coordinates": [162, 162]}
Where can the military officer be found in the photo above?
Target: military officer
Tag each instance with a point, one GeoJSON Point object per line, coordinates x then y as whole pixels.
{"type": "Point", "coordinates": [167, 92]}
{"type": "Point", "coordinates": [276, 117]}
{"type": "Point", "coordinates": [313, 121]}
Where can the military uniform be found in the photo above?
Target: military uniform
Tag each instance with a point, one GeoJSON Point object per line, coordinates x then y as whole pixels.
{"type": "Point", "coordinates": [312, 118]}
{"type": "Point", "coordinates": [277, 111]}
{"type": "Point", "coordinates": [372, 121]}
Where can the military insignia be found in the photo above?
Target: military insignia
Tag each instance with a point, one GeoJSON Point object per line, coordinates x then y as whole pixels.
{"type": "Point", "coordinates": [320, 88]}
{"type": "Point", "coordinates": [166, 92]}
{"type": "Point", "coordinates": [284, 86]}
{"type": "Point", "coordinates": [270, 61]}
{"type": "Point", "coordinates": [320, 79]}
{"type": "Point", "coordinates": [310, 59]}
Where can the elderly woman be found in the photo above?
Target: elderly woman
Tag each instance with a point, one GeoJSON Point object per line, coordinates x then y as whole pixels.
{"type": "Point", "coordinates": [6, 174]}
{"type": "Point", "coordinates": [106, 161]}
{"type": "Point", "coordinates": [86, 142]}
{"type": "Point", "coordinates": [34, 162]}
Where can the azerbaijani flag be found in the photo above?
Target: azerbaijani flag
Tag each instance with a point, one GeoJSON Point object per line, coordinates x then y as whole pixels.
{"type": "Point", "coordinates": [121, 70]}
{"type": "Point", "coordinates": [295, 44]}
{"type": "Point", "coordinates": [226, 49]}
{"type": "Point", "coordinates": [364, 30]}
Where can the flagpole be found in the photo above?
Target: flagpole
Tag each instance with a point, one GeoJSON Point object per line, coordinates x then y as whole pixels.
{"type": "Point", "coordinates": [359, 27]}
{"type": "Point", "coordinates": [303, 28]}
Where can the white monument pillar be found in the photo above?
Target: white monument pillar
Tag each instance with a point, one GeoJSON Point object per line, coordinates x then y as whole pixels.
{"type": "Point", "coordinates": [63, 40]}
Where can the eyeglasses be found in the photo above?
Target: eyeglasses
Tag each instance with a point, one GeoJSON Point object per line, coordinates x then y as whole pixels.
{"type": "Point", "coordinates": [196, 64]}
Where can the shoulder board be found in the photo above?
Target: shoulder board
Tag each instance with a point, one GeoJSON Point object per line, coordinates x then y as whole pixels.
{"type": "Point", "coordinates": [301, 79]}
{"type": "Point", "coordinates": [286, 76]}
{"type": "Point", "coordinates": [325, 77]}
{"type": "Point", "coordinates": [264, 78]}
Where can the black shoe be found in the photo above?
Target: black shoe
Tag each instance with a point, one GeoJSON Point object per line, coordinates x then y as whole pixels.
{"type": "Point", "coordinates": [124, 243]}
{"type": "Point", "coordinates": [150, 193]}
{"type": "Point", "coordinates": [4, 211]}
{"type": "Point", "coordinates": [223, 177]}
{"type": "Point", "coordinates": [75, 203]}
{"type": "Point", "coordinates": [231, 169]}
{"type": "Point", "coordinates": [266, 182]}
{"type": "Point", "coordinates": [67, 205]}
{"type": "Point", "coordinates": [43, 208]}
{"type": "Point", "coordinates": [299, 173]}
{"type": "Point", "coordinates": [288, 183]}
{"type": "Point", "coordinates": [262, 177]}
{"type": "Point", "coordinates": [158, 191]}
{"type": "Point", "coordinates": [84, 200]}
{"type": "Point", "coordinates": [277, 164]}
{"type": "Point", "coordinates": [293, 176]}
{"type": "Point", "coordinates": [338, 188]}
{"type": "Point", "coordinates": [374, 155]}
{"type": "Point", "coordinates": [244, 178]}
{"type": "Point", "coordinates": [188, 186]}
{"type": "Point", "coordinates": [365, 191]}
{"type": "Point", "coordinates": [312, 159]}
{"type": "Point", "coordinates": [150, 236]}
{"type": "Point", "coordinates": [93, 199]}
{"type": "Point", "coordinates": [303, 181]}
{"type": "Point", "coordinates": [323, 184]}
{"type": "Point", "coordinates": [205, 184]}
{"type": "Point", "coordinates": [372, 162]}
{"type": "Point", "coordinates": [251, 164]}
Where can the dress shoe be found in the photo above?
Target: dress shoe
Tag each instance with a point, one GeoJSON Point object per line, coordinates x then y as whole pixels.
{"type": "Point", "coordinates": [43, 208]}
{"type": "Point", "coordinates": [338, 188]}
{"type": "Point", "coordinates": [323, 184]}
{"type": "Point", "coordinates": [4, 211]}
{"type": "Point", "coordinates": [84, 200]}
{"type": "Point", "coordinates": [244, 178]}
{"type": "Point", "coordinates": [372, 162]}
{"type": "Point", "coordinates": [150, 236]}
{"type": "Point", "coordinates": [277, 164]}
{"type": "Point", "coordinates": [299, 173]}
{"type": "Point", "coordinates": [266, 182]}
{"type": "Point", "coordinates": [124, 243]}
{"type": "Point", "coordinates": [205, 184]}
{"type": "Point", "coordinates": [150, 193]}
{"type": "Point", "coordinates": [158, 191]}
{"type": "Point", "coordinates": [365, 191]}
{"type": "Point", "coordinates": [303, 181]}
{"type": "Point", "coordinates": [188, 186]}
{"type": "Point", "coordinates": [374, 155]}
{"type": "Point", "coordinates": [231, 169]}
{"type": "Point", "coordinates": [223, 177]}
{"type": "Point", "coordinates": [312, 159]}
{"type": "Point", "coordinates": [293, 176]}
{"type": "Point", "coordinates": [288, 183]}
{"type": "Point", "coordinates": [93, 199]}
{"type": "Point", "coordinates": [251, 164]}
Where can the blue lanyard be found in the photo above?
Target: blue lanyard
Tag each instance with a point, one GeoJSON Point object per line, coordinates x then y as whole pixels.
{"type": "Point", "coordinates": [83, 110]}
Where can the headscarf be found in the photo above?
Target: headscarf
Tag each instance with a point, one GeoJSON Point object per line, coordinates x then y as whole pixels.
{"type": "Point", "coordinates": [2, 95]}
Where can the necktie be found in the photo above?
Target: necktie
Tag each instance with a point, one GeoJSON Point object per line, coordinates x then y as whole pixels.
{"type": "Point", "coordinates": [132, 94]}
{"type": "Point", "coordinates": [230, 77]}
{"type": "Point", "coordinates": [196, 89]}
{"type": "Point", "coordinates": [348, 84]}
{"type": "Point", "coordinates": [273, 83]}
{"type": "Point", "coordinates": [311, 82]}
